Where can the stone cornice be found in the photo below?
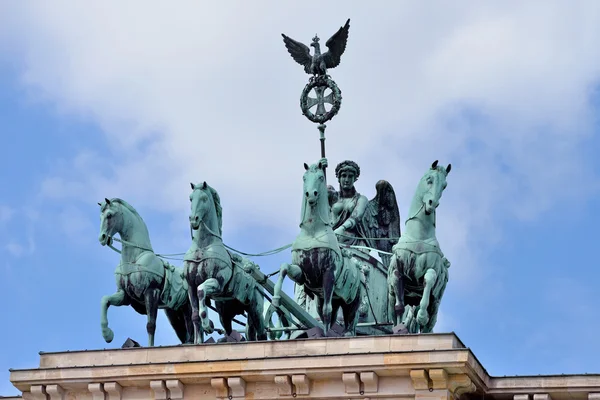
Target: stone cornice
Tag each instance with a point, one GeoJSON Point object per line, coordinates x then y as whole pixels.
{"type": "Point", "coordinates": [373, 367]}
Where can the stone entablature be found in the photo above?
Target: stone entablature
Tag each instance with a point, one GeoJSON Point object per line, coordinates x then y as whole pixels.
{"type": "Point", "coordinates": [432, 366]}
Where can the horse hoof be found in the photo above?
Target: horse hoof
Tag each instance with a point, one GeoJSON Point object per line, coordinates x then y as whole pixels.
{"type": "Point", "coordinates": [276, 301]}
{"type": "Point", "coordinates": [422, 317]}
{"type": "Point", "coordinates": [208, 329]}
{"type": "Point", "coordinates": [108, 334]}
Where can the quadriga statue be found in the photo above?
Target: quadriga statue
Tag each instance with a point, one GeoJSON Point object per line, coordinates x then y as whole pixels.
{"type": "Point", "coordinates": [418, 270]}
{"type": "Point", "coordinates": [144, 281]}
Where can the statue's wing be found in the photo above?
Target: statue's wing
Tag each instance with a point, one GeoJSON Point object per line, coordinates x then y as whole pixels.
{"type": "Point", "coordinates": [337, 46]}
{"type": "Point", "coordinates": [382, 220]}
{"type": "Point", "coordinates": [333, 195]}
{"type": "Point", "coordinates": [299, 52]}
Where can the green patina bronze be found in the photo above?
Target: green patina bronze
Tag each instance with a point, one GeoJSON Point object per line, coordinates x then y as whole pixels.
{"type": "Point", "coordinates": [144, 281]}
{"type": "Point", "coordinates": [418, 270]}
{"type": "Point", "coordinates": [349, 262]}
{"type": "Point", "coordinates": [318, 63]}
{"type": "Point", "coordinates": [330, 275]}
{"type": "Point", "coordinates": [362, 225]}
{"type": "Point", "coordinates": [213, 273]}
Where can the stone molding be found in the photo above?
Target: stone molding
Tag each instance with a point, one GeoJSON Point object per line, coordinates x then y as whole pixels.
{"type": "Point", "coordinates": [426, 367]}
{"type": "Point", "coordinates": [439, 379]}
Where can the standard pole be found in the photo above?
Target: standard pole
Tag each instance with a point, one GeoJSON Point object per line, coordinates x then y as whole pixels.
{"type": "Point", "coordinates": [322, 136]}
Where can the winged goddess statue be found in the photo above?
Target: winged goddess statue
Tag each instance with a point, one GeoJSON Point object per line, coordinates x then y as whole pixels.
{"type": "Point", "coordinates": [359, 221]}
{"type": "Point", "coordinates": [318, 63]}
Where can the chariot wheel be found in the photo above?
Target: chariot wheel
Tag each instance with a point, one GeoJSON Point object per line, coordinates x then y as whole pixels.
{"type": "Point", "coordinates": [282, 322]}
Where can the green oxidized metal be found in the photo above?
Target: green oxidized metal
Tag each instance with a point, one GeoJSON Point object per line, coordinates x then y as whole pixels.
{"type": "Point", "coordinates": [355, 274]}
{"type": "Point", "coordinates": [320, 84]}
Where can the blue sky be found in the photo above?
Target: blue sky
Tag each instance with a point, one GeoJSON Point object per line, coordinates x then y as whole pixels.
{"type": "Point", "coordinates": [93, 106]}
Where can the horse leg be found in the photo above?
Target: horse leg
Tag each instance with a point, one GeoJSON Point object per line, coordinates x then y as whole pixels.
{"type": "Point", "coordinates": [151, 299]}
{"type": "Point", "coordinates": [225, 316]}
{"type": "Point", "coordinates": [396, 284]}
{"type": "Point", "coordinates": [335, 308]}
{"type": "Point", "coordinates": [256, 317]}
{"type": "Point", "coordinates": [351, 315]}
{"type": "Point", "coordinates": [422, 314]}
{"type": "Point", "coordinates": [328, 281]}
{"type": "Point", "coordinates": [432, 319]}
{"type": "Point", "coordinates": [117, 299]}
{"type": "Point", "coordinates": [189, 326]}
{"type": "Point", "coordinates": [256, 325]}
{"type": "Point", "coordinates": [295, 273]}
{"type": "Point", "coordinates": [194, 304]}
{"type": "Point", "coordinates": [206, 289]}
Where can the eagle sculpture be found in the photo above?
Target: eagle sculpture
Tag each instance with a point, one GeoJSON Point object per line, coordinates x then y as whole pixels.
{"type": "Point", "coordinates": [318, 63]}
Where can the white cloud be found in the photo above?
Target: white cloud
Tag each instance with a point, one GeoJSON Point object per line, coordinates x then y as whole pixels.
{"type": "Point", "coordinates": [208, 92]}
{"type": "Point", "coordinates": [15, 249]}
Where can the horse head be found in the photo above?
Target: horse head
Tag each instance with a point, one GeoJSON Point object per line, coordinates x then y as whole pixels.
{"type": "Point", "coordinates": [432, 185]}
{"type": "Point", "coordinates": [205, 207]}
{"type": "Point", "coordinates": [111, 221]}
{"type": "Point", "coordinates": [314, 183]}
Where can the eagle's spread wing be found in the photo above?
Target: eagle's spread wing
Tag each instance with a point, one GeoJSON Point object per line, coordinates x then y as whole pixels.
{"type": "Point", "coordinates": [382, 220]}
{"type": "Point", "coordinates": [299, 52]}
{"type": "Point", "coordinates": [337, 46]}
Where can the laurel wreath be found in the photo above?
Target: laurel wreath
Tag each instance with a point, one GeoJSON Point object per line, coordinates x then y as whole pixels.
{"type": "Point", "coordinates": [321, 81]}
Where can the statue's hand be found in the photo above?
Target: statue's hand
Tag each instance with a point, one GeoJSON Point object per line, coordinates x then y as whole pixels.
{"type": "Point", "coordinates": [340, 231]}
{"type": "Point", "coordinates": [323, 162]}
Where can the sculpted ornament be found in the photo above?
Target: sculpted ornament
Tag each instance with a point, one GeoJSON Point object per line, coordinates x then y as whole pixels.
{"type": "Point", "coordinates": [318, 63]}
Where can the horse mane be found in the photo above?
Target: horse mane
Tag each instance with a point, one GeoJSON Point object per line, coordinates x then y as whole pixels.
{"type": "Point", "coordinates": [136, 215]}
{"type": "Point", "coordinates": [218, 208]}
{"type": "Point", "coordinates": [126, 205]}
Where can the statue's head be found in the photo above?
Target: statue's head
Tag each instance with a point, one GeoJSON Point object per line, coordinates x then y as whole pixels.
{"type": "Point", "coordinates": [347, 172]}
{"type": "Point", "coordinates": [434, 182]}
{"type": "Point", "coordinates": [111, 221]}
